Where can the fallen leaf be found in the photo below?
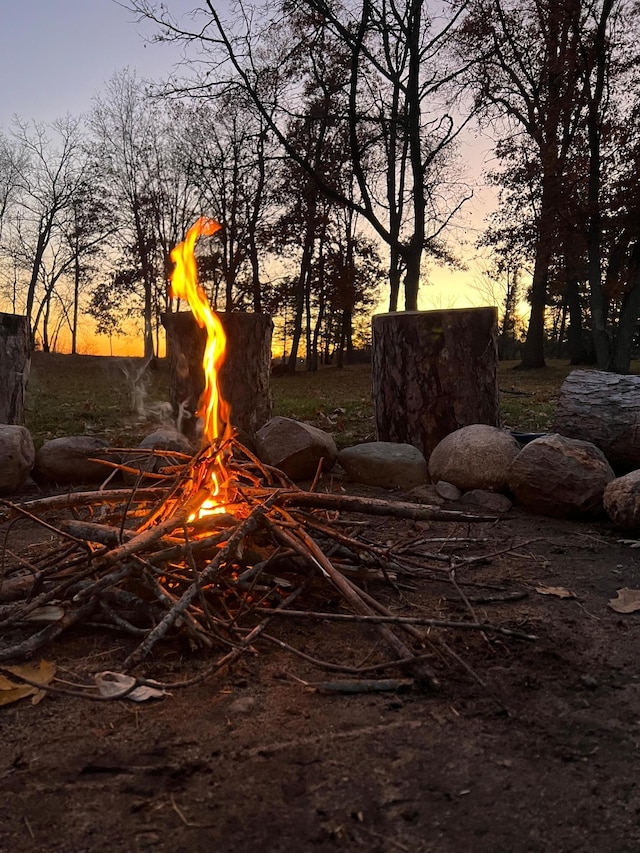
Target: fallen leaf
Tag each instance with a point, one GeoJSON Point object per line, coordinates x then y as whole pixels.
{"type": "Point", "coordinates": [48, 613]}
{"type": "Point", "coordinates": [114, 685]}
{"type": "Point", "coordinates": [628, 601]}
{"type": "Point", "coordinates": [557, 591]}
{"type": "Point", "coordinates": [12, 691]}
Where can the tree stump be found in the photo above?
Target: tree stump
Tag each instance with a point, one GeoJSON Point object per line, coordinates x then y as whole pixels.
{"type": "Point", "coordinates": [434, 372]}
{"type": "Point", "coordinates": [245, 376]}
{"type": "Point", "coordinates": [15, 363]}
{"type": "Point", "coordinates": [603, 408]}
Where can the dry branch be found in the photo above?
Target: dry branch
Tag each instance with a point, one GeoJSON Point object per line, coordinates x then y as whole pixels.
{"type": "Point", "coordinates": [139, 561]}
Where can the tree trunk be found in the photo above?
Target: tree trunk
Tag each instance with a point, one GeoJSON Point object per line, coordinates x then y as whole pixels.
{"type": "Point", "coordinates": [434, 372]}
{"type": "Point", "coordinates": [627, 327]}
{"type": "Point", "coordinates": [533, 348]}
{"type": "Point", "coordinates": [15, 362]}
{"type": "Point", "coordinates": [578, 353]}
{"type": "Point", "coordinates": [603, 408]}
{"type": "Point", "coordinates": [244, 377]}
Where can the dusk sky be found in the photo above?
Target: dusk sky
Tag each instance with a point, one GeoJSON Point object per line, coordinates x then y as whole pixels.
{"type": "Point", "coordinates": [55, 54]}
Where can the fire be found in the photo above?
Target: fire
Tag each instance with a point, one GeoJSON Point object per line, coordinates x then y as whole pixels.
{"type": "Point", "coordinates": [212, 408]}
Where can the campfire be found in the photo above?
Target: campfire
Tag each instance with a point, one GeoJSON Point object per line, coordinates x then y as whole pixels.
{"type": "Point", "coordinates": [221, 547]}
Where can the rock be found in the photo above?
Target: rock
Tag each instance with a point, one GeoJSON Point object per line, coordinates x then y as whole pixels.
{"type": "Point", "coordinates": [164, 438]}
{"type": "Point", "coordinates": [426, 494]}
{"type": "Point", "coordinates": [295, 448]}
{"type": "Point", "coordinates": [448, 491]}
{"type": "Point", "coordinates": [474, 457]}
{"type": "Point", "coordinates": [385, 464]}
{"type": "Point", "coordinates": [560, 477]}
{"type": "Point", "coordinates": [489, 501]}
{"type": "Point", "coordinates": [17, 455]}
{"type": "Point", "coordinates": [622, 500]}
{"type": "Point", "coordinates": [66, 460]}
{"type": "Point", "coordinates": [243, 705]}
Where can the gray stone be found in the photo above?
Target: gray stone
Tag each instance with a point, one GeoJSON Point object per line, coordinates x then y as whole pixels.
{"type": "Point", "coordinates": [242, 705]}
{"type": "Point", "coordinates": [67, 460]}
{"type": "Point", "coordinates": [426, 494]}
{"type": "Point", "coordinates": [385, 464]}
{"type": "Point", "coordinates": [448, 491]}
{"type": "Point", "coordinates": [164, 438]}
{"type": "Point", "coordinates": [490, 501]}
{"type": "Point", "coordinates": [622, 500]}
{"type": "Point", "coordinates": [474, 457]}
{"type": "Point", "coordinates": [17, 455]}
{"type": "Point", "coordinates": [295, 448]}
{"type": "Point", "coordinates": [560, 477]}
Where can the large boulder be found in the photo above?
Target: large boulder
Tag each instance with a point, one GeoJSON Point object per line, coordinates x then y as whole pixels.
{"type": "Point", "coordinates": [560, 477]}
{"type": "Point", "coordinates": [68, 460]}
{"type": "Point", "coordinates": [17, 455]}
{"type": "Point", "coordinates": [474, 457]}
{"type": "Point", "coordinates": [165, 439]}
{"type": "Point", "coordinates": [622, 500]}
{"type": "Point", "coordinates": [295, 448]}
{"type": "Point", "coordinates": [385, 464]}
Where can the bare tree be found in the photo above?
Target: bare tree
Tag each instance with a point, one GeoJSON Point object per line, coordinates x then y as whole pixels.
{"type": "Point", "coordinates": [51, 172]}
{"type": "Point", "coordinates": [124, 125]}
{"type": "Point", "coordinates": [398, 124]}
{"type": "Point", "coordinates": [530, 80]}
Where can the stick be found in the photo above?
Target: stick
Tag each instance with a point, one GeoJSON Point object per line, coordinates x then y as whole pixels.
{"type": "Point", "coordinates": [301, 538]}
{"type": "Point", "coordinates": [375, 506]}
{"type": "Point", "coordinates": [30, 646]}
{"type": "Point", "coordinates": [103, 534]}
{"type": "Point", "coordinates": [247, 526]}
{"type": "Point", "coordinates": [81, 499]}
{"type": "Point", "coordinates": [408, 620]}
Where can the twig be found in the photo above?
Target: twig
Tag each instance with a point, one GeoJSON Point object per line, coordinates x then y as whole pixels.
{"type": "Point", "coordinates": [375, 506]}
{"type": "Point", "coordinates": [48, 634]}
{"type": "Point", "coordinates": [337, 667]}
{"type": "Point", "coordinates": [79, 499]}
{"type": "Point", "coordinates": [247, 526]}
{"type": "Point", "coordinates": [305, 545]}
{"type": "Point", "coordinates": [410, 620]}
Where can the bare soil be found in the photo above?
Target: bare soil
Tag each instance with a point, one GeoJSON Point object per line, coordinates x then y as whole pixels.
{"type": "Point", "coordinates": [526, 746]}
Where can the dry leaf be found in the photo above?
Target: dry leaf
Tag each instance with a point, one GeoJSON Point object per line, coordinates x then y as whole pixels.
{"type": "Point", "coordinates": [114, 685]}
{"type": "Point", "coordinates": [11, 691]}
{"type": "Point", "coordinates": [557, 591]}
{"type": "Point", "coordinates": [628, 601]}
{"type": "Point", "coordinates": [48, 613]}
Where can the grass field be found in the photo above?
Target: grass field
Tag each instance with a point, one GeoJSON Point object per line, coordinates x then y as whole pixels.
{"type": "Point", "coordinates": [74, 395]}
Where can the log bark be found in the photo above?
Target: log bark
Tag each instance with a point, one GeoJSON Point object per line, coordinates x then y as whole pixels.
{"type": "Point", "coordinates": [603, 408]}
{"type": "Point", "coordinates": [15, 363]}
{"type": "Point", "coordinates": [433, 373]}
{"type": "Point", "coordinates": [245, 376]}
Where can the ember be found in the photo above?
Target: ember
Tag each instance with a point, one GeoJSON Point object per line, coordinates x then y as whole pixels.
{"type": "Point", "coordinates": [150, 563]}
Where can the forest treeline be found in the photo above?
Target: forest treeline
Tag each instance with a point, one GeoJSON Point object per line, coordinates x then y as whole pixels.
{"type": "Point", "coordinates": [325, 137]}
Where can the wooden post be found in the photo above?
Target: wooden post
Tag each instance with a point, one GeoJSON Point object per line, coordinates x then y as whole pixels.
{"type": "Point", "coordinates": [603, 408]}
{"type": "Point", "coordinates": [15, 363]}
{"type": "Point", "coordinates": [245, 377]}
{"type": "Point", "coordinates": [434, 372]}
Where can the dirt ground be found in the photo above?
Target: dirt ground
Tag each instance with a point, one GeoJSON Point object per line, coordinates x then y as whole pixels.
{"type": "Point", "coordinates": [526, 746]}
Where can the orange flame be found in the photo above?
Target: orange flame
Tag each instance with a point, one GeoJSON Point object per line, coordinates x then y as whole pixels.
{"type": "Point", "coordinates": [184, 285]}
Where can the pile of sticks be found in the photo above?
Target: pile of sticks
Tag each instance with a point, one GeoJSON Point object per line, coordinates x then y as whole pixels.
{"type": "Point", "coordinates": [138, 562]}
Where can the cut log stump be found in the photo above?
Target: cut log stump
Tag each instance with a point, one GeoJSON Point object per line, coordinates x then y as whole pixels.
{"type": "Point", "coordinates": [433, 373]}
{"type": "Point", "coordinates": [15, 363]}
{"type": "Point", "coordinates": [603, 408]}
{"type": "Point", "coordinates": [245, 376]}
